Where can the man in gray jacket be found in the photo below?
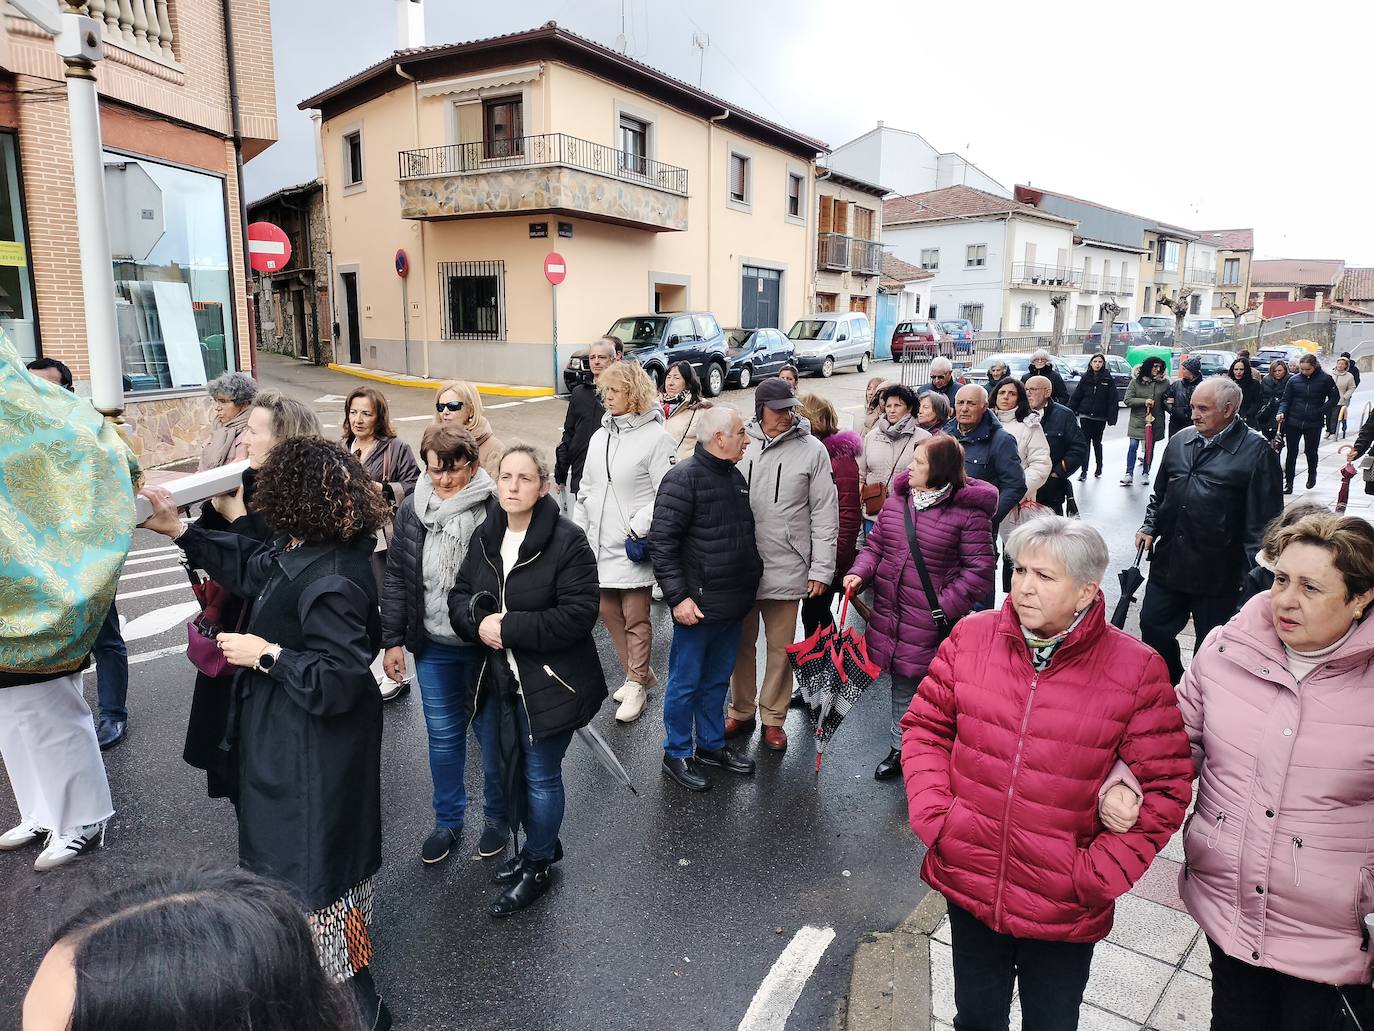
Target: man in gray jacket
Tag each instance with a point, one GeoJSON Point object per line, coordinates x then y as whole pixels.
{"type": "Point", "coordinates": [796, 523]}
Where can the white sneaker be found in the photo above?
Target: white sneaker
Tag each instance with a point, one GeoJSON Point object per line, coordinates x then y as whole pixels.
{"type": "Point", "coordinates": [1127, 480]}
{"type": "Point", "coordinates": [632, 705]}
{"type": "Point", "coordinates": [18, 837]}
{"type": "Point", "coordinates": [619, 695]}
{"type": "Point", "coordinates": [63, 848]}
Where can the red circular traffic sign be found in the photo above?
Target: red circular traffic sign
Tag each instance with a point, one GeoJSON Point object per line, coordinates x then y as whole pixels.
{"type": "Point", "coordinates": [555, 268]}
{"type": "Point", "coordinates": [402, 264]}
{"type": "Point", "coordinates": [269, 249]}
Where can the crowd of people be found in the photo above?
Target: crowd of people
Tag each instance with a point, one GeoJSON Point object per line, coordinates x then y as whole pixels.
{"type": "Point", "coordinates": [1047, 756]}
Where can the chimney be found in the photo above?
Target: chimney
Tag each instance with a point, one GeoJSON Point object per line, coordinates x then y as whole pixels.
{"type": "Point", "coordinates": [410, 24]}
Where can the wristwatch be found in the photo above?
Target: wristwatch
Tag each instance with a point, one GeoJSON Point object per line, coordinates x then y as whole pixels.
{"type": "Point", "coordinates": [268, 658]}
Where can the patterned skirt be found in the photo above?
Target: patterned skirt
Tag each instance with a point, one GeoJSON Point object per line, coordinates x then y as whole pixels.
{"type": "Point", "coordinates": [342, 932]}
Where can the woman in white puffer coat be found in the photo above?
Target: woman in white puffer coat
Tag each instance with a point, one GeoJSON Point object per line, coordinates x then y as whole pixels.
{"type": "Point", "coordinates": [626, 459]}
{"type": "Point", "coordinates": [1013, 411]}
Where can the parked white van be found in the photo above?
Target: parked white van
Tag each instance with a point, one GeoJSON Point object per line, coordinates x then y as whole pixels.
{"type": "Point", "coordinates": [830, 339]}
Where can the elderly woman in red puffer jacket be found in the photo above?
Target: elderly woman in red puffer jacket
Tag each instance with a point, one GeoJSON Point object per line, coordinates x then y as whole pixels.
{"type": "Point", "coordinates": [1005, 750]}
{"type": "Point", "coordinates": [952, 518]}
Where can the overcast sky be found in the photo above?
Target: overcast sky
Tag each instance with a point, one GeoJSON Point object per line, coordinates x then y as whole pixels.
{"type": "Point", "coordinates": [1204, 114]}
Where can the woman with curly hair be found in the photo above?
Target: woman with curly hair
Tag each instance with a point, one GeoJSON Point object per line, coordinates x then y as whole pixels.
{"type": "Point", "coordinates": [305, 717]}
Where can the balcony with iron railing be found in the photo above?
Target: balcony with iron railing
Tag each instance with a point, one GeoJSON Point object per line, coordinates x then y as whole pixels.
{"type": "Point", "coordinates": [866, 257]}
{"type": "Point", "coordinates": [1199, 277]}
{"type": "Point", "coordinates": [1050, 277]}
{"type": "Point", "coordinates": [832, 252]}
{"type": "Point", "coordinates": [142, 26]}
{"type": "Point", "coordinates": [553, 172]}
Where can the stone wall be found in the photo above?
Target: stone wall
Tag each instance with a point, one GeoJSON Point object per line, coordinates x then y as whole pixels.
{"type": "Point", "coordinates": [167, 430]}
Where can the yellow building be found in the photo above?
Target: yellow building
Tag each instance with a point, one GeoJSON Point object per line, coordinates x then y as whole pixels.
{"type": "Point", "coordinates": [1235, 252]}
{"type": "Point", "coordinates": [478, 159]}
{"type": "Point", "coordinates": [849, 250]}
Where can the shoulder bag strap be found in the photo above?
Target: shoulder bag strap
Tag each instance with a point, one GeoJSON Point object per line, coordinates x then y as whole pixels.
{"type": "Point", "coordinates": [941, 620]}
{"type": "Point", "coordinates": [386, 461]}
{"type": "Point", "coordinates": [610, 486]}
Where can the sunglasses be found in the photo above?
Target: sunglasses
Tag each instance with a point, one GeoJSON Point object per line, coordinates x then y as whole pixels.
{"type": "Point", "coordinates": [448, 406]}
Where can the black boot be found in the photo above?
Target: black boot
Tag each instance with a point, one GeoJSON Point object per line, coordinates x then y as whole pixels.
{"type": "Point", "coordinates": [535, 880]}
{"type": "Point", "coordinates": [510, 870]}
{"type": "Point", "coordinates": [371, 1009]}
{"type": "Point", "coordinates": [890, 766]}
{"type": "Point", "coordinates": [1288, 486]}
{"type": "Point", "coordinates": [1311, 478]}
{"type": "Point", "coordinates": [686, 772]}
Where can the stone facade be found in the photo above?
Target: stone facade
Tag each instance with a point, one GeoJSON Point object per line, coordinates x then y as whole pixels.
{"type": "Point", "coordinates": [512, 191]}
{"type": "Point", "coordinates": [292, 306]}
{"type": "Point", "coordinates": [169, 429]}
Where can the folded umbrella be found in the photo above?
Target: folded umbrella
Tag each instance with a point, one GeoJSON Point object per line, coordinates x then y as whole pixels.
{"type": "Point", "coordinates": [1149, 442]}
{"type": "Point", "coordinates": [591, 737]}
{"type": "Point", "coordinates": [1130, 579]}
{"type": "Point", "coordinates": [833, 671]}
{"type": "Point", "coordinates": [1343, 495]}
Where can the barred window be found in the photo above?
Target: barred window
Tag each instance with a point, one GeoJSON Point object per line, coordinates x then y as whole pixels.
{"type": "Point", "coordinates": [473, 300]}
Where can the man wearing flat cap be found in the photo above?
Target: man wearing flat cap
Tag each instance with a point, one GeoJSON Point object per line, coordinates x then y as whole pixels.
{"type": "Point", "coordinates": [796, 524]}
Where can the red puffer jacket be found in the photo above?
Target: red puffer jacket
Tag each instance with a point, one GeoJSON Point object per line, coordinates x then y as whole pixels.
{"type": "Point", "coordinates": [1003, 767]}
{"type": "Point", "coordinates": [844, 449]}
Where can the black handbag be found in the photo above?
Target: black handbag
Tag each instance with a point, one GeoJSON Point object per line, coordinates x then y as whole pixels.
{"type": "Point", "coordinates": [944, 626]}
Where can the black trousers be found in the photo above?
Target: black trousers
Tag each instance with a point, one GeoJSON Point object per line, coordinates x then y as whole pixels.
{"type": "Point", "coordinates": [1165, 612]}
{"type": "Point", "coordinates": [1093, 430]}
{"type": "Point", "coordinates": [1309, 438]}
{"type": "Point", "coordinates": [1250, 998]}
{"type": "Point", "coordinates": [816, 612]}
{"type": "Point", "coordinates": [1052, 977]}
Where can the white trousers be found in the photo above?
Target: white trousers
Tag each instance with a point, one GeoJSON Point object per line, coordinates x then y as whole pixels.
{"type": "Point", "coordinates": [47, 742]}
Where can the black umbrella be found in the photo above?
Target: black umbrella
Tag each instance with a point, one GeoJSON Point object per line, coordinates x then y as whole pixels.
{"type": "Point", "coordinates": [502, 696]}
{"type": "Point", "coordinates": [1130, 578]}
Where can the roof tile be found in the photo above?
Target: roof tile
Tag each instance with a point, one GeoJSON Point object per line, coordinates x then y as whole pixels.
{"type": "Point", "coordinates": [956, 202]}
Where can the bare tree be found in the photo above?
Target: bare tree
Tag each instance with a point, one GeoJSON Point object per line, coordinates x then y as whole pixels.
{"type": "Point", "coordinates": [1108, 310]}
{"type": "Point", "coordinates": [1178, 305]}
{"type": "Point", "coordinates": [1059, 303]}
{"type": "Point", "coordinates": [1237, 313]}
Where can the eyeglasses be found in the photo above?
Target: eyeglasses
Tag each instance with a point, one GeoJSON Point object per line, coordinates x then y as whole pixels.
{"type": "Point", "coordinates": [448, 406]}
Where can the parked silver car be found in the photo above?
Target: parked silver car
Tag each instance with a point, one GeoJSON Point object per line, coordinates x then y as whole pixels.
{"type": "Point", "coordinates": [828, 340]}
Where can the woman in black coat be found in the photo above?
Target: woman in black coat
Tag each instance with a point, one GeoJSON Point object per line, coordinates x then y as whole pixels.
{"type": "Point", "coordinates": [528, 591]}
{"type": "Point", "coordinates": [1097, 402]}
{"type": "Point", "coordinates": [305, 716]}
{"type": "Point", "coordinates": [1251, 392]}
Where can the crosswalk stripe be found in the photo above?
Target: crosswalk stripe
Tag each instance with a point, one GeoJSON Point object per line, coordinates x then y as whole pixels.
{"type": "Point", "coordinates": [148, 560]}
{"type": "Point", "coordinates": [152, 590]}
{"type": "Point", "coordinates": [154, 551]}
{"type": "Point", "coordinates": [160, 653]}
{"type": "Point", "coordinates": [145, 573]}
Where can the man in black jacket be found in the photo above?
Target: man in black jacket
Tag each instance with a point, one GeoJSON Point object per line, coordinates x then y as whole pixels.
{"type": "Point", "coordinates": [707, 562]}
{"type": "Point", "coordinates": [1178, 399]}
{"type": "Point", "coordinates": [1216, 490]}
{"type": "Point", "coordinates": [1068, 445]}
{"type": "Point", "coordinates": [582, 420]}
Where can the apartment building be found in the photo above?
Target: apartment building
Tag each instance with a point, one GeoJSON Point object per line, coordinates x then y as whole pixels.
{"type": "Point", "coordinates": [1235, 252]}
{"type": "Point", "coordinates": [476, 160]}
{"type": "Point", "coordinates": [172, 149]}
{"type": "Point", "coordinates": [994, 261]}
{"type": "Point", "coordinates": [908, 163]}
{"type": "Point", "coordinates": [849, 250]}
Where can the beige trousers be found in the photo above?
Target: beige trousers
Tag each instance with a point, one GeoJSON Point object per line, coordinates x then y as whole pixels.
{"type": "Point", "coordinates": [779, 629]}
{"type": "Point", "coordinates": [626, 615]}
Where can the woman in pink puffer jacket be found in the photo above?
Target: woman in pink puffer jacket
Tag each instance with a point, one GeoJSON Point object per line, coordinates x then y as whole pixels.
{"type": "Point", "coordinates": [1279, 708]}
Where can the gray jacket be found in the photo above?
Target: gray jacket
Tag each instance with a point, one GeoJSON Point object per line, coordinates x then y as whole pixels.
{"type": "Point", "coordinates": [796, 509]}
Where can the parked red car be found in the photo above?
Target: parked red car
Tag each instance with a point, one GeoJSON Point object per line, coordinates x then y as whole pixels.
{"type": "Point", "coordinates": [920, 338]}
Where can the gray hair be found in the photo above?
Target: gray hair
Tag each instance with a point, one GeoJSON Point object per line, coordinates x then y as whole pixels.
{"type": "Point", "coordinates": [939, 404]}
{"type": "Point", "coordinates": [980, 391]}
{"type": "Point", "coordinates": [290, 418]}
{"type": "Point", "coordinates": [716, 419]}
{"type": "Point", "coordinates": [941, 364]}
{"type": "Point", "coordinates": [232, 386]}
{"type": "Point", "coordinates": [602, 345]}
{"type": "Point", "coordinates": [1078, 547]}
{"type": "Point", "coordinates": [1226, 389]}
{"type": "Point", "coordinates": [1040, 355]}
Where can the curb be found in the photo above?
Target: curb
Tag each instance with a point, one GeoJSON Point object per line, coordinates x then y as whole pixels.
{"type": "Point", "coordinates": [889, 989]}
{"type": "Point", "coordinates": [398, 380]}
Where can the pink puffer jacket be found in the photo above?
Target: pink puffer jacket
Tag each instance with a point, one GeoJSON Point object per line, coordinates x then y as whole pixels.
{"type": "Point", "coordinates": [1280, 851]}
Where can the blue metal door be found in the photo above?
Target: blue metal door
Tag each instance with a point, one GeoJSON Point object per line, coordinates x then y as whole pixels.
{"type": "Point", "coordinates": [887, 322]}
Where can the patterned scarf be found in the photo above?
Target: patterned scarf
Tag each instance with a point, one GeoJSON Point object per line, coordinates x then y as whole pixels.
{"type": "Point", "coordinates": [895, 431]}
{"type": "Point", "coordinates": [924, 499]}
{"type": "Point", "coordinates": [1042, 649]}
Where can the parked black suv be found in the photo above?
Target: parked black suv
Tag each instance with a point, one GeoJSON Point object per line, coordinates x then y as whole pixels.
{"type": "Point", "coordinates": [660, 340]}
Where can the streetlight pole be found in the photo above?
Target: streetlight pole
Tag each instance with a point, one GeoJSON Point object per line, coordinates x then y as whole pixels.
{"type": "Point", "coordinates": [77, 41]}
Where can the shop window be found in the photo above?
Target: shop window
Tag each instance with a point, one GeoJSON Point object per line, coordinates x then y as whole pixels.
{"type": "Point", "coordinates": [174, 296]}
{"type": "Point", "coordinates": [18, 317]}
{"type": "Point", "coordinates": [472, 300]}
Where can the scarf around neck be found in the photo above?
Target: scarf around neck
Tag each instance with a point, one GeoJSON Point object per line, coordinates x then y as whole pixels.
{"type": "Point", "coordinates": [1042, 649]}
{"type": "Point", "coordinates": [451, 523]}
{"type": "Point", "coordinates": [894, 431]}
{"type": "Point", "coordinates": [922, 499]}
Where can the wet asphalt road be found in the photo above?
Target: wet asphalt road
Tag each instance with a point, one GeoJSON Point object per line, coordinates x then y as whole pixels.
{"type": "Point", "coordinates": [670, 908]}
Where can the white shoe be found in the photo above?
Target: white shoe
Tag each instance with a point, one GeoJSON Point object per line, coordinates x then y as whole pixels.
{"type": "Point", "coordinates": [632, 705]}
{"type": "Point", "coordinates": [63, 848]}
{"type": "Point", "coordinates": [18, 837]}
{"type": "Point", "coordinates": [1127, 480]}
{"type": "Point", "coordinates": [619, 695]}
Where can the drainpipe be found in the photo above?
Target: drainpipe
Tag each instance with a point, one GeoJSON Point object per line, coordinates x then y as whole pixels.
{"type": "Point", "coordinates": [710, 208]}
{"type": "Point", "coordinates": [237, 123]}
{"type": "Point", "coordinates": [424, 288]}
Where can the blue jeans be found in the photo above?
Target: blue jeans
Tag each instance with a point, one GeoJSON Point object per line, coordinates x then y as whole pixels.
{"type": "Point", "coordinates": [1131, 450]}
{"type": "Point", "coordinates": [700, 662]}
{"type": "Point", "coordinates": [111, 668]}
{"type": "Point", "coordinates": [543, 779]}
{"type": "Point", "coordinates": [445, 673]}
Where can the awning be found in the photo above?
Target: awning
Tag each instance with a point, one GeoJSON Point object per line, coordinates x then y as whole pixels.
{"type": "Point", "coordinates": [471, 88]}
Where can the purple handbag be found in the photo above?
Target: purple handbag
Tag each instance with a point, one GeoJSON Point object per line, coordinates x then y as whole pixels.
{"type": "Point", "coordinates": [202, 650]}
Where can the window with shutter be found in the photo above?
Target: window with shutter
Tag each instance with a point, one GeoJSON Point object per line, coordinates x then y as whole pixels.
{"type": "Point", "coordinates": [739, 178]}
{"type": "Point", "coordinates": [827, 214]}
{"type": "Point", "coordinates": [794, 195]}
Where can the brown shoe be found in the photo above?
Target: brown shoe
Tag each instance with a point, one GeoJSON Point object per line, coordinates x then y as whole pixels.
{"type": "Point", "coordinates": [775, 738]}
{"type": "Point", "coordinates": [735, 728]}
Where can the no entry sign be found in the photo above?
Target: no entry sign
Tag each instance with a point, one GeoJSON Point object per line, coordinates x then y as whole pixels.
{"type": "Point", "coordinates": [269, 249]}
{"type": "Point", "coordinates": [555, 268]}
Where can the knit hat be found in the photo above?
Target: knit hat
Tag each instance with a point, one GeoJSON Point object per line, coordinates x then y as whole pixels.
{"type": "Point", "coordinates": [1194, 365]}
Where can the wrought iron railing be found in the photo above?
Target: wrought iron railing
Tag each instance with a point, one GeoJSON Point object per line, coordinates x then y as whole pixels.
{"type": "Point", "coordinates": [833, 252]}
{"type": "Point", "coordinates": [1044, 275]}
{"type": "Point", "coordinates": [866, 256]}
{"type": "Point", "coordinates": [553, 148]}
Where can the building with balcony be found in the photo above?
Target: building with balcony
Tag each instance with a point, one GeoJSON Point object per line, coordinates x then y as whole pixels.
{"type": "Point", "coordinates": [172, 158]}
{"type": "Point", "coordinates": [292, 303]}
{"type": "Point", "coordinates": [478, 159]}
{"type": "Point", "coordinates": [996, 262]}
{"type": "Point", "coordinates": [1235, 252]}
{"type": "Point", "coordinates": [849, 252]}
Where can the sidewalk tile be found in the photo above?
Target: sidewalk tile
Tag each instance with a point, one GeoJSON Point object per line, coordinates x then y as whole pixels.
{"type": "Point", "coordinates": [941, 982]}
{"type": "Point", "coordinates": [941, 933]}
{"type": "Point", "coordinates": [1159, 884]}
{"type": "Point", "coordinates": [1124, 982]}
{"type": "Point", "coordinates": [1199, 959]}
{"type": "Point", "coordinates": [1152, 929]}
{"type": "Point", "coordinates": [1186, 1006]}
{"type": "Point", "coordinates": [1090, 1018]}
{"type": "Point", "coordinates": [1174, 849]}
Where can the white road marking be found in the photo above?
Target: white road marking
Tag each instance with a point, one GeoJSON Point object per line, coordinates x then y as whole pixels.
{"type": "Point", "coordinates": [150, 624]}
{"type": "Point", "coordinates": [329, 399]}
{"type": "Point", "coordinates": [147, 560]}
{"type": "Point", "coordinates": [160, 653]}
{"type": "Point", "coordinates": [143, 574]}
{"type": "Point", "coordinates": [414, 418]}
{"type": "Point", "coordinates": [152, 590]}
{"type": "Point", "coordinates": [153, 551]}
{"type": "Point", "coordinates": [503, 404]}
{"type": "Point", "coordinates": [773, 1002]}
{"type": "Point", "coordinates": [536, 400]}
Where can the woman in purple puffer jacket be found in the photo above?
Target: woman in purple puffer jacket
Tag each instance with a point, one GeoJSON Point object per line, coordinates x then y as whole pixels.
{"type": "Point", "coordinates": [952, 518]}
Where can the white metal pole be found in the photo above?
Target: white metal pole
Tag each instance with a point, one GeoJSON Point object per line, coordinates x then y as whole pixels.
{"type": "Point", "coordinates": [555, 340]}
{"type": "Point", "coordinates": [97, 270]}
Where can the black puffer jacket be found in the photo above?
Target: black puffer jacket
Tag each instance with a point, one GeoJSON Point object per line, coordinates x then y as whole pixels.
{"type": "Point", "coordinates": [702, 538]}
{"type": "Point", "coordinates": [1097, 397]}
{"type": "Point", "coordinates": [1307, 399]}
{"type": "Point", "coordinates": [552, 599]}
{"type": "Point", "coordinates": [403, 589]}
{"type": "Point", "coordinates": [1272, 390]}
{"type": "Point", "coordinates": [1209, 509]}
{"type": "Point", "coordinates": [1059, 391]}
{"type": "Point", "coordinates": [583, 419]}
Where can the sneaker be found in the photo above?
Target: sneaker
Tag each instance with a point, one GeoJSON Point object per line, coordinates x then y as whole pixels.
{"type": "Point", "coordinates": [632, 705]}
{"type": "Point", "coordinates": [619, 695]}
{"type": "Point", "coordinates": [492, 842]}
{"type": "Point", "coordinates": [438, 845]}
{"type": "Point", "coordinates": [63, 848]}
{"type": "Point", "coordinates": [17, 837]}
{"type": "Point", "coordinates": [1127, 480]}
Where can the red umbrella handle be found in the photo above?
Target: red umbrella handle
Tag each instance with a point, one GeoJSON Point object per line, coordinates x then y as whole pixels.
{"type": "Point", "coordinates": [844, 605]}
